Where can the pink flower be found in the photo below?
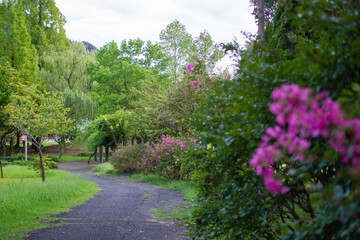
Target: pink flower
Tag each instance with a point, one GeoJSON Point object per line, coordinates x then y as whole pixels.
{"type": "Point", "coordinates": [173, 224]}
{"type": "Point", "coordinates": [302, 115]}
{"type": "Point", "coordinates": [194, 85]}
{"type": "Point", "coordinates": [190, 67]}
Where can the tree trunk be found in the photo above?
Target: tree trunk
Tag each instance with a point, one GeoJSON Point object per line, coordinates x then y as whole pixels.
{"type": "Point", "coordinates": [2, 174]}
{"type": "Point", "coordinates": [100, 153]}
{"type": "Point", "coordinates": [261, 18]}
{"type": "Point", "coordinates": [18, 136]}
{"type": "Point", "coordinates": [95, 155]}
{"type": "Point", "coordinates": [62, 145]}
{"type": "Point", "coordinates": [11, 146]}
{"type": "Point", "coordinates": [42, 165]}
{"type": "Point", "coordinates": [106, 153]}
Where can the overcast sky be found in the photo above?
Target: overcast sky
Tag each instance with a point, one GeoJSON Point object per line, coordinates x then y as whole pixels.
{"type": "Point", "coordinates": [102, 21]}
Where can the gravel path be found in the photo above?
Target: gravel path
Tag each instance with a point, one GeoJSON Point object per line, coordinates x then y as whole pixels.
{"type": "Point", "coordinates": [116, 212]}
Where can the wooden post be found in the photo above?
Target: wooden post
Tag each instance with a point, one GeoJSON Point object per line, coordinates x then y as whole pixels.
{"type": "Point", "coordinates": [25, 147]}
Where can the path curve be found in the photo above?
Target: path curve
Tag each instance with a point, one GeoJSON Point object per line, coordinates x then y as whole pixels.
{"type": "Point", "coordinates": [116, 212]}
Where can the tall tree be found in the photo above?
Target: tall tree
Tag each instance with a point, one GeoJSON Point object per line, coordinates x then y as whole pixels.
{"type": "Point", "coordinates": [16, 47]}
{"type": "Point", "coordinates": [45, 24]}
{"type": "Point", "coordinates": [149, 56]}
{"type": "Point", "coordinates": [115, 81]}
{"type": "Point", "coordinates": [64, 74]}
{"type": "Point", "coordinates": [177, 44]}
{"type": "Point", "coordinates": [204, 46]}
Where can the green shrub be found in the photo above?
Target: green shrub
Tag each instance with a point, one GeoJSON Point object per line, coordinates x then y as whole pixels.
{"type": "Point", "coordinates": [52, 165]}
{"type": "Point", "coordinates": [53, 158]}
{"type": "Point", "coordinates": [128, 159]}
{"type": "Point", "coordinates": [18, 163]}
{"type": "Point", "coordinates": [311, 43]}
{"type": "Point", "coordinates": [22, 163]}
{"type": "Point", "coordinates": [48, 163]}
{"type": "Point", "coordinates": [84, 154]}
{"type": "Point", "coordinates": [18, 156]}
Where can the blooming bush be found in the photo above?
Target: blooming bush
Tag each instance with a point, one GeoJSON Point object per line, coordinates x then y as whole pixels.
{"type": "Point", "coordinates": [128, 159]}
{"type": "Point", "coordinates": [302, 116]}
{"type": "Point", "coordinates": [163, 157]}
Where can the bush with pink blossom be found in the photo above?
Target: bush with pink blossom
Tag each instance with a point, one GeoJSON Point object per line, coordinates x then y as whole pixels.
{"type": "Point", "coordinates": [302, 116]}
{"type": "Point", "coordinates": [163, 158]}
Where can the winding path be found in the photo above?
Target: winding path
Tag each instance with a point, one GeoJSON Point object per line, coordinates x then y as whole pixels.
{"type": "Point", "coordinates": [118, 211]}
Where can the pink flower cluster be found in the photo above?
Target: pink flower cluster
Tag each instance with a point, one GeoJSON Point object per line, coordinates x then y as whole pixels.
{"type": "Point", "coordinates": [190, 67]}
{"type": "Point", "coordinates": [163, 153]}
{"type": "Point", "coordinates": [194, 84]}
{"type": "Point", "coordinates": [300, 115]}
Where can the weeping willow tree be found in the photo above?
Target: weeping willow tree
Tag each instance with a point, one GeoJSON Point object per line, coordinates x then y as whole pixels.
{"type": "Point", "coordinates": [64, 73]}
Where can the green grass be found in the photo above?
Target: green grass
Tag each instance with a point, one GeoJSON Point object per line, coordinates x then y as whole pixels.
{"type": "Point", "coordinates": [67, 158]}
{"type": "Point", "coordinates": [26, 201]}
{"type": "Point", "coordinates": [46, 143]}
{"type": "Point", "coordinates": [104, 168]}
{"type": "Point", "coordinates": [146, 196]}
{"type": "Point", "coordinates": [183, 212]}
{"type": "Point", "coordinates": [186, 188]}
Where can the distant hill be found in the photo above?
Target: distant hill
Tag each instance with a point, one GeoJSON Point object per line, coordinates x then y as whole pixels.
{"type": "Point", "coordinates": [89, 47]}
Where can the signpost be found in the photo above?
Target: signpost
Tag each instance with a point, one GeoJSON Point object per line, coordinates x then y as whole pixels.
{"type": "Point", "coordinates": [25, 147]}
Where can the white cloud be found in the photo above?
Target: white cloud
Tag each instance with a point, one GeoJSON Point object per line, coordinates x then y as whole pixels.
{"type": "Point", "coordinates": [101, 21]}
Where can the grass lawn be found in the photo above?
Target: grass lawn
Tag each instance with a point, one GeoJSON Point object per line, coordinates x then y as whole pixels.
{"type": "Point", "coordinates": [67, 158]}
{"type": "Point", "coordinates": [26, 201]}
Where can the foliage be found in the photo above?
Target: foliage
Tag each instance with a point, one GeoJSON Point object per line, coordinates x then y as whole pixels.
{"type": "Point", "coordinates": [163, 158]}
{"type": "Point", "coordinates": [163, 110]}
{"type": "Point", "coordinates": [180, 46]}
{"type": "Point", "coordinates": [176, 42]}
{"type": "Point", "coordinates": [36, 114]}
{"type": "Point", "coordinates": [48, 163]}
{"type": "Point", "coordinates": [17, 48]}
{"type": "Point", "coordinates": [115, 81]}
{"type": "Point", "coordinates": [63, 73]}
{"type": "Point", "coordinates": [128, 159]}
{"type": "Point", "coordinates": [20, 156]}
{"type": "Point", "coordinates": [28, 163]}
{"type": "Point", "coordinates": [45, 24]}
{"type": "Point", "coordinates": [311, 43]}
{"type": "Point", "coordinates": [107, 130]}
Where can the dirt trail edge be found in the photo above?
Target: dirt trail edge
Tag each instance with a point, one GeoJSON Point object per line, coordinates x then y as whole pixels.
{"type": "Point", "coordinates": [118, 211]}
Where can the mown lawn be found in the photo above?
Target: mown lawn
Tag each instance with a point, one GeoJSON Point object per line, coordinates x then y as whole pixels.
{"type": "Point", "coordinates": [26, 202]}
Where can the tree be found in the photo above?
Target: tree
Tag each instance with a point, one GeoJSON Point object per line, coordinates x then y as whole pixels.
{"type": "Point", "coordinates": [45, 23]}
{"type": "Point", "coordinates": [36, 114]}
{"type": "Point", "coordinates": [115, 80]}
{"type": "Point", "coordinates": [64, 73]}
{"type": "Point", "coordinates": [181, 48]}
{"type": "Point", "coordinates": [177, 44]}
{"type": "Point", "coordinates": [205, 48]}
{"type": "Point", "coordinates": [16, 41]}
